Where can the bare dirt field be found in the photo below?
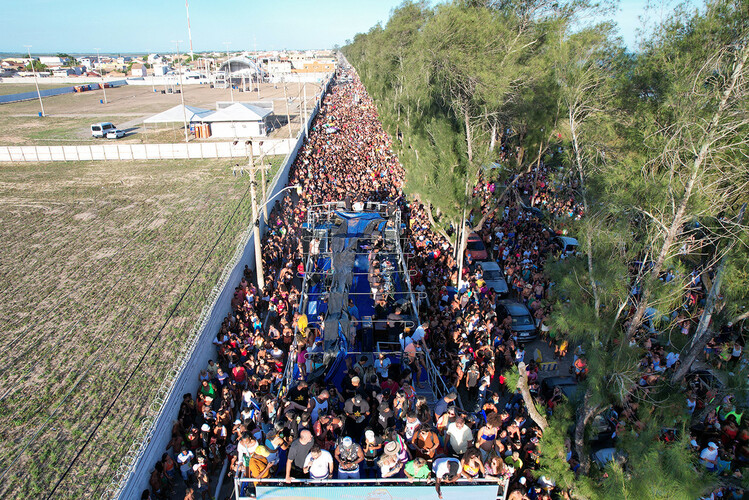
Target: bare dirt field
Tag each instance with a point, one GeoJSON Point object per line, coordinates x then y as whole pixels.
{"type": "Point", "coordinates": [96, 257]}
{"type": "Point", "coordinates": [69, 116]}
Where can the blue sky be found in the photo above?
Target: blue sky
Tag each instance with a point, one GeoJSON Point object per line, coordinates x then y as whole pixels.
{"type": "Point", "coordinates": [149, 25]}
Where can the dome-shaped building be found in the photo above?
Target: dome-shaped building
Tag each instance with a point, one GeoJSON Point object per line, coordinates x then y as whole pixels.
{"type": "Point", "coordinates": [240, 67]}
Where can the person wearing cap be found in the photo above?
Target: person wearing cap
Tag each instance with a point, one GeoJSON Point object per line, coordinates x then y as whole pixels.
{"type": "Point", "coordinates": [372, 447]}
{"type": "Point", "coordinates": [389, 464]}
{"type": "Point", "coordinates": [201, 474]}
{"type": "Point", "coordinates": [319, 464]}
{"type": "Point", "coordinates": [245, 449]}
{"type": "Point", "coordinates": [709, 456]}
{"type": "Point", "coordinates": [357, 412]}
{"type": "Point", "coordinates": [349, 455]}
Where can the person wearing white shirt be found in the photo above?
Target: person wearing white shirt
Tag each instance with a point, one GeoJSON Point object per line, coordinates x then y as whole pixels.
{"type": "Point", "coordinates": [184, 460]}
{"type": "Point", "coordinates": [459, 436]}
{"type": "Point", "coordinates": [419, 334]}
{"type": "Point", "coordinates": [709, 456]}
{"type": "Point", "coordinates": [319, 464]}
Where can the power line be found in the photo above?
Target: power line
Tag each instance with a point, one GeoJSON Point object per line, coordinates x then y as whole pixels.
{"type": "Point", "coordinates": [107, 291]}
{"type": "Point", "coordinates": [148, 349]}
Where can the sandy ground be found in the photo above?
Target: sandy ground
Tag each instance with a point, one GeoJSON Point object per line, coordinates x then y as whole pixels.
{"type": "Point", "coordinates": [130, 104]}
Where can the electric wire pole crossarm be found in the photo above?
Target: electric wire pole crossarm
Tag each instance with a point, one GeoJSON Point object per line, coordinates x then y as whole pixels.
{"type": "Point", "coordinates": [256, 230]}
{"type": "Point", "coordinates": [256, 213]}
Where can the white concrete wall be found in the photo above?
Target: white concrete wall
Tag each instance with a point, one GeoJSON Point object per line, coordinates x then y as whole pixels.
{"type": "Point", "coordinates": [112, 151]}
{"type": "Point", "coordinates": [241, 130]}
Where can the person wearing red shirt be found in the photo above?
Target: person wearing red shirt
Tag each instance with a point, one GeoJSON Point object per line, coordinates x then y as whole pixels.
{"type": "Point", "coordinates": [240, 375]}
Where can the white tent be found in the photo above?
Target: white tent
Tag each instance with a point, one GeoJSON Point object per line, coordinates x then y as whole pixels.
{"type": "Point", "coordinates": [176, 115]}
{"type": "Point", "coordinates": [238, 120]}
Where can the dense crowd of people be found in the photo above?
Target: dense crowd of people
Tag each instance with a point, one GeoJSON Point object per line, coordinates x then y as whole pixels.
{"type": "Point", "coordinates": [374, 425]}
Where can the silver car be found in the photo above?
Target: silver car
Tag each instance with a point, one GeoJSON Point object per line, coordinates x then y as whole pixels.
{"type": "Point", "coordinates": [494, 277]}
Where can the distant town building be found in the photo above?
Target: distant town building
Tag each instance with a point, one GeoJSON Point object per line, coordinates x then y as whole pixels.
{"type": "Point", "coordinates": [52, 60]}
{"type": "Point", "coordinates": [279, 70]}
{"type": "Point", "coordinates": [138, 70]}
{"type": "Point", "coordinates": [75, 71]}
{"type": "Point", "coordinates": [160, 69]}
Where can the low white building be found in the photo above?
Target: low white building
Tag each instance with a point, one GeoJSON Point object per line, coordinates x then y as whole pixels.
{"type": "Point", "coordinates": [240, 120]}
{"type": "Point", "coordinates": [51, 60]}
{"type": "Point", "coordinates": [160, 69]}
{"type": "Point", "coordinates": [138, 70]}
{"type": "Point", "coordinates": [279, 71]}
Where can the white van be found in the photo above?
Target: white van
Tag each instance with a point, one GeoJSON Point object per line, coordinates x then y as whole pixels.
{"type": "Point", "coordinates": [101, 129]}
{"type": "Point", "coordinates": [569, 246]}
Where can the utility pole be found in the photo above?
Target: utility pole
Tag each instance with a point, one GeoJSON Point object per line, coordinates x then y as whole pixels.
{"type": "Point", "coordinates": [189, 33]}
{"type": "Point", "coordinates": [306, 130]}
{"type": "Point", "coordinates": [257, 68]}
{"type": "Point", "coordinates": [181, 89]}
{"type": "Point", "coordinates": [101, 72]}
{"type": "Point", "coordinates": [262, 176]}
{"type": "Point", "coordinates": [286, 98]}
{"type": "Point", "coordinates": [255, 222]}
{"type": "Point", "coordinates": [153, 76]}
{"type": "Point", "coordinates": [228, 70]}
{"type": "Point", "coordinates": [36, 82]}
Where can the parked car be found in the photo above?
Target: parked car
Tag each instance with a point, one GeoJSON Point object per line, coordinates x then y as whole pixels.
{"type": "Point", "coordinates": [566, 383]}
{"type": "Point", "coordinates": [115, 134]}
{"type": "Point", "coordinates": [476, 247]}
{"type": "Point", "coordinates": [568, 246]}
{"type": "Point", "coordinates": [523, 324]}
{"type": "Point", "coordinates": [102, 129]}
{"type": "Point", "coordinates": [605, 456]}
{"type": "Point", "coordinates": [494, 278]}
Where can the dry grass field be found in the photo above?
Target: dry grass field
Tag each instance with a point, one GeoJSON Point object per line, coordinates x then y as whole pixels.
{"type": "Point", "coordinates": [69, 116]}
{"type": "Point", "coordinates": [96, 255]}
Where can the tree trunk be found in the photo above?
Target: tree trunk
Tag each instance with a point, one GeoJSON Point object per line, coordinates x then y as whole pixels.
{"type": "Point", "coordinates": [676, 223]}
{"type": "Point", "coordinates": [494, 137]}
{"type": "Point", "coordinates": [469, 140]}
{"type": "Point", "coordinates": [584, 414]}
{"type": "Point", "coordinates": [530, 404]}
{"type": "Point", "coordinates": [589, 236]}
{"type": "Point", "coordinates": [740, 317]}
{"type": "Point", "coordinates": [703, 335]}
{"type": "Point", "coordinates": [462, 243]}
{"type": "Point", "coordinates": [434, 225]}
{"type": "Point", "coordinates": [535, 174]}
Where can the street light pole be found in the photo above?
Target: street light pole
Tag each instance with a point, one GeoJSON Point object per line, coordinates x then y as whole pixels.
{"type": "Point", "coordinates": [255, 222]}
{"type": "Point", "coordinates": [101, 72]}
{"type": "Point", "coordinates": [306, 130]}
{"type": "Point", "coordinates": [286, 99]}
{"type": "Point", "coordinates": [36, 82]}
{"type": "Point", "coordinates": [228, 70]}
{"type": "Point", "coordinates": [181, 89]}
